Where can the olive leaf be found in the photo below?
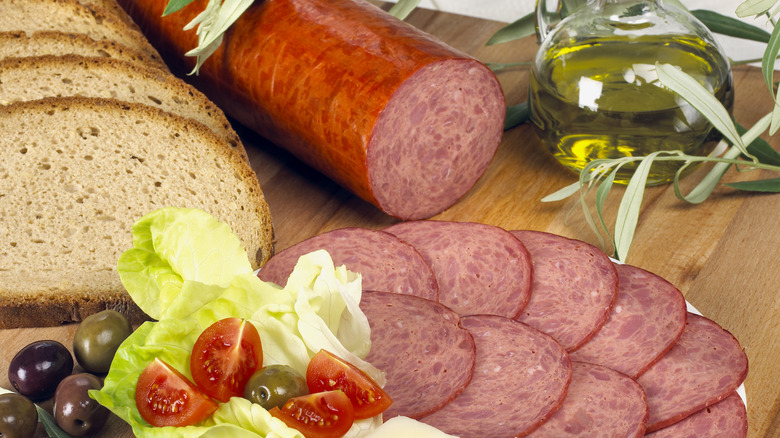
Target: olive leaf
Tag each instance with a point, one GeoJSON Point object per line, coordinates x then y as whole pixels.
{"type": "Point", "coordinates": [516, 115]}
{"type": "Point", "coordinates": [521, 28]}
{"type": "Point", "coordinates": [768, 60]}
{"type": "Point", "coordinates": [590, 177]}
{"type": "Point", "coordinates": [701, 99]}
{"type": "Point", "coordinates": [730, 26]}
{"type": "Point", "coordinates": [175, 5]}
{"type": "Point", "coordinates": [761, 149]}
{"type": "Point", "coordinates": [501, 66]}
{"type": "Point", "coordinates": [49, 424]}
{"type": "Point", "coordinates": [569, 6]}
{"type": "Point", "coordinates": [754, 7]}
{"type": "Point", "coordinates": [768, 68]}
{"type": "Point", "coordinates": [630, 205]}
{"type": "Point", "coordinates": [563, 193]}
{"type": "Point", "coordinates": [704, 189]}
{"type": "Point", "coordinates": [770, 185]}
{"type": "Point", "coordinates": [602, 194]}
{"type": "Point", "coordinates": [212, 24]}
{"type": "Point", "coordinates": [403, 8]}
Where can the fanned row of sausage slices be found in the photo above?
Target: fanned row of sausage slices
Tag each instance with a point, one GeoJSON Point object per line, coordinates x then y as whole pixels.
{"type": "Point", "coordinates": [489, 332]}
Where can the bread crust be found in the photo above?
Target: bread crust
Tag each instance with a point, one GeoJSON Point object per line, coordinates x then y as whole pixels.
{"type": "Point", "coordinates": [65, 308]}
{"type": "Point", "coordinates": [19, 44]}
{"type": "Point", "coordinates": [36, 77]}
{"type": "Point", "coordinates": [78, 173]}
{"type": "Point", "coordinates": [74, 17]}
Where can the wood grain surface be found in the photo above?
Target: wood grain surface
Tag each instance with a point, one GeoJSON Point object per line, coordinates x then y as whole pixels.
{"type": "Point", "coordinates": [722, 254]}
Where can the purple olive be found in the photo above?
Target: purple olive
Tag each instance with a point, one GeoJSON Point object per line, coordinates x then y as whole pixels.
{"type": "Point", "coordinates": [74, 410]}
{"type": "Point", "coordinates": [38, 368]}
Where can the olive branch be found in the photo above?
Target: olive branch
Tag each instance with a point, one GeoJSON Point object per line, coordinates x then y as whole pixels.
{"type": "Point", "coordinates": [743, 148]}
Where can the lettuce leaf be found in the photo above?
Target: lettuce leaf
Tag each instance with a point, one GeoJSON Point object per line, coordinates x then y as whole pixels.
{"type": "Point", "coordinates": [187, 270]}
{"type": "Point", "coordinates": [172, 245]}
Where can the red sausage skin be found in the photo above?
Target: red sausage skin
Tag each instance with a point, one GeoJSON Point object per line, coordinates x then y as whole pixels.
{"type": "Point", "coordinates": [397, 117]}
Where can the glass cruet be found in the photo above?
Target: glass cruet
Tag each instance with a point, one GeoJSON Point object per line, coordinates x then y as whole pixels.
{"type": "Point", "coordinates": [594, 92]}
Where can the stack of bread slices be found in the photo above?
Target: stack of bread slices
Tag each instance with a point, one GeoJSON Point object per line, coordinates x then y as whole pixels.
{"type": "Point", "coordinates": [95, 132]}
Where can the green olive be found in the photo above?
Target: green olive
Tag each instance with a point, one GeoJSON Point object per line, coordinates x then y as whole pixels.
{"type": "Point", "coordinates": [97, 339]}
{"type": "Point", "coordinates": [273, 385]}
{"type": "Point", "coordinates": [18, 416]}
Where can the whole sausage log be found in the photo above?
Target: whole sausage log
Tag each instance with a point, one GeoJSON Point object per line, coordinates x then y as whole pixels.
{"type": "Point", "coordinates": [400, 119]}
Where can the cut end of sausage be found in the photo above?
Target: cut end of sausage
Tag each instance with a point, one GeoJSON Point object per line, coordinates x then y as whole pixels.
{"type": "Point", "coordinates": [435, 138]}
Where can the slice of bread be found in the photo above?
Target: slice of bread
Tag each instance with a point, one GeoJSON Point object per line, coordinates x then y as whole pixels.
{"type": "Point", "coordinates": [77, 173]}
{"type": "Point", "coordinates": [110, 7]}
{"type": "Point", "coordinates": [70, 16]}
{"type": "Point", "coordinates": [16, 44]}
{"type": "Point", "coordinates": [32, 78]}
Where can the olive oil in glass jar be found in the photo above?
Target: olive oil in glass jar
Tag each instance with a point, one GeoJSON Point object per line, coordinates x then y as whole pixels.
{"type": "Point", "coordinates": [594, 91]}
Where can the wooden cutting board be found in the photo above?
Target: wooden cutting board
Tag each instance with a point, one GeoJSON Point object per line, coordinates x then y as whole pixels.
{"type": "Point", "coordinates": [721, 254]}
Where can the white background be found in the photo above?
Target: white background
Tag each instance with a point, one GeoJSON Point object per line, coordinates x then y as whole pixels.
{"type": "Point", "coordinates": [511, 10]}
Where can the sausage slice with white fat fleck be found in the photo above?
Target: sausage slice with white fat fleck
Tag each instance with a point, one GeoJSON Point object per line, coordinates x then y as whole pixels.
{"type": "Point", "coordinates": [480, 269]}
{"type": "Point", "coordinates": [385, 262]}
{"type": "Point", "coordinates": [726, 418]}
{"type": "Point", "coordinates": [705, 366]}
{"type": "Point", "coordinates": [574, 287]}
{"type": "Point", "coordinates": [428, 357]}
{"type": "Point", "coordinates": [520, 380]}
{"type": "Point", "coordinates": [600, 402]}
{"type": "Point", "coordinates": [645, 321]}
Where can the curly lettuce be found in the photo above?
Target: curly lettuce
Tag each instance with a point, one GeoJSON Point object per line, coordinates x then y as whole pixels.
{"type": "Point", "coordinates": [187, 270]}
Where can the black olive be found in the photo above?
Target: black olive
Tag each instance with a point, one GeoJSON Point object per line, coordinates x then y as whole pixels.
{"type": "Point", "coordinates": [273, 385]}
{"type": "Point", "coordinates": [74, 410]}
{"type": "Point", "coordinates": [97, 339]}
{"type": "Point", "coordinates": [38, 368]}
{"type": "Point", "coordinates": [18, 416]}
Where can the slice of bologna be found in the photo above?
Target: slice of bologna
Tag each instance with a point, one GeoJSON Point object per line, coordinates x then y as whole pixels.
{"type": "Point", "coordinates": [726, 418]}
{"type": "Point", "coordinates": [384, 261]}
{"type": "Point", "coordinates": [600, 402]}
{"type": "Point", "coordinates": [480, 269]}
{"type": "Point", "coordinates": [645, 321]}
{"type": "Point", "coordinates": [428, 357]}
{"type": "Point", "coordinates": [397, 117]}
{"type": "Point", "coordinates": [520, 380]}
{"type": "Point", "coordinates": [574, 287]}
{"type": "Point", "coordinates": [705, 366]}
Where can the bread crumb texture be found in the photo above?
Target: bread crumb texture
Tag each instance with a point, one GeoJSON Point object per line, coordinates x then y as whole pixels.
{"type": "Point", "coordinates": [77, 173]}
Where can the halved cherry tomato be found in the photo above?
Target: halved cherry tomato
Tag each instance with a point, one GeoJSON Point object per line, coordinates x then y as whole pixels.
{"type": "Point", "coordinates": [225, 356]}
{"type": "Point", "coordinates": [323, 415]}
{"type": "Point", "coordinates": [327, 372]}
{"type": "Point", "coordinates": [166, 398]}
